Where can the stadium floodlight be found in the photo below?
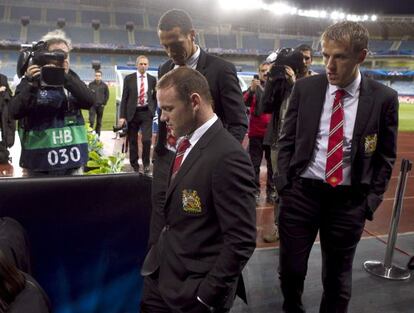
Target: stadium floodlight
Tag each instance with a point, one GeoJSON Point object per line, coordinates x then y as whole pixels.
{"type": "Point", "coordinates": [374, 18]}
{"type": "Point", "coordinates": [313, 13]}
{"type": "Point", "coordinates": [365, 17]}
{"type": "Point", "coordinates": [280, 8]}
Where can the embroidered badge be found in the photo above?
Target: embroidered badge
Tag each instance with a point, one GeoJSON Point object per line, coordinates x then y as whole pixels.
{"type": "Point", "coordinates": [370, 143]}
{"type": "Point", "coordinates": [191, 201]}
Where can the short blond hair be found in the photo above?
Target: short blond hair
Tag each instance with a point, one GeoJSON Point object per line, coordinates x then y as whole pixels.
{"type": "Point", "coordinates": [348, 32]}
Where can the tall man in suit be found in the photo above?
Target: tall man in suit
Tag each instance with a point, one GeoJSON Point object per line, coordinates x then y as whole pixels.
{"type": "Point", "coordinates": [205, 232]}
{"type": "Point", "coordinates": [177, 36]}
{"type": "Point", "coordinates": [336, 154]}
{"type": "Point", "coordinates": [138, 105]}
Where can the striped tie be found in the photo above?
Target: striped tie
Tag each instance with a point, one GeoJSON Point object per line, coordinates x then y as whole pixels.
{"type": "Point", "coordinates": [141, 92]}
{"type": "Point", "coordinates": [182, 147]}
{"type": "Point", "coordinates": [333, 171]}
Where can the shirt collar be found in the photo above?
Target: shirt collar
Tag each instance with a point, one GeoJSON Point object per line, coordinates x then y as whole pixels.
{"type": "Point", "coordinates": [139, 75]}
{"type": "Point", "coordinates": [199, 132]}
{"type": "Point", "coordinates": [193, 60]}
{"type": "Point", "coordinates": [351, 89]}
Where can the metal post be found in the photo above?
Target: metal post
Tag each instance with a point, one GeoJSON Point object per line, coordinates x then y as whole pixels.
{"type": "Point", "coordinates": [387, 269]}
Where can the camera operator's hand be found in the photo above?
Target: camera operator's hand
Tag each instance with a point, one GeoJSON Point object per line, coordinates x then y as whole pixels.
{"type": "Point", "coordinates": [290, 75]}
{"type": "Point", "coordinates": [2, 88]}
{"type": "Point", "coordinates": [32, 73]}
{"type": "Point", "coordinates": [255, 83]}
{"type": "Point", "coordinates": [121, 122]}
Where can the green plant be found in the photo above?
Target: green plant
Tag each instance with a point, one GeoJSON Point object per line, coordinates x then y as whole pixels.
{"type": "Point", "coordinates": [99, 163]}
{"type": "Point", "coordinates": [105, 164]}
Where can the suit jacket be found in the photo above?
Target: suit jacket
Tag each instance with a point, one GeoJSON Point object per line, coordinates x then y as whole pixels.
{"type": "Point", "coordinates": [225, 90]}
{"type": "Point", "coordinates": [130, 96]}
{"type": "Point", "coordinates": [374, 141]}
{"type": "Point", "coordinates": [208, 220]}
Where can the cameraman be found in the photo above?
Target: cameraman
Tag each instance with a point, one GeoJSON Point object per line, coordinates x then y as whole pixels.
{"type": "Point", "coordinates": [7, 125]}
{"type": "Point", "coordinates": [51, 126]}
{"type": "Point", "coordinates": [286, 69]}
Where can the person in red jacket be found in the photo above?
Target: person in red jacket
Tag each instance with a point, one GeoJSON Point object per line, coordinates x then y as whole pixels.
{"type": "Point", "coordinates": [258, 122]}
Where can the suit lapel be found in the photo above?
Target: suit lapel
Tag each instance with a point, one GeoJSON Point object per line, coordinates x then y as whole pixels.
{"type": "Point", "coordinates": [193, 156]}
{"type": "Point", "coordinates": [201, 64]}
{"type": "Point", "coordinates": [313, 107]}
{"type": "Point", "coordinates": [365, 105]}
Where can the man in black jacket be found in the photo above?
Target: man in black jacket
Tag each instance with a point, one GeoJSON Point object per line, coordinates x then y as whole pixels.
{"type": "Point", "coordinates": [101, 92]}
{"type": "Point", "coordinates": [7, 126]}
{"type": "Point", "coordinates": [52, 131]}
{"type": "Point", "coordinates": [138, 105]}
{"type": "Point", "coordinates": [177, 36]}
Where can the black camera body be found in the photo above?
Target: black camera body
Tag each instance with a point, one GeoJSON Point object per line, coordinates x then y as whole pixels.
{"type": "Point", "coordinates": [50, 76]}
{"type": "Point", "coordinates": [277, 85]}
{"type": "Point", "coordinates": [121, 130]}
{"type": "Point", "coordinates": [286, 57]}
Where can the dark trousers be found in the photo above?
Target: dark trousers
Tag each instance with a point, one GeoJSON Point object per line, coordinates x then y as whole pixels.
{"type": "Point", "coordinates": [256, 150]}
{"type": "Point", "coordinates": [152, 301]}
{"type": "Point", "coordinates": [96, 111]}
{"type": "Point", "coordinates": [142, 120]}
{"type": "Point", "coordinates": [309, 206]}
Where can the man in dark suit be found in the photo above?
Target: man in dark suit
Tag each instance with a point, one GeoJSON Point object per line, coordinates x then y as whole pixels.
{"type": "Point", "coordinates": [138, 105]}
{"type": "Point", "coordinates": [336, 154]}
{"type": "Point", "coordinates": [177, 36]}
{"type": "Point", "coordinates": [7, 125]}
{"type": "Point", "coordinates": [205, 233]}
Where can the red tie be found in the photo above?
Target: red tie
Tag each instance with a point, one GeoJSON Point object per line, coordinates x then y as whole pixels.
{"type": "Point", "coordinates": [333, 171]}
{"type": "Point", "coordinates": [171, 140]}
{"type": "Point", "coordinates": [141, 92]}
{"type": "Point", "coordinates": [182, 147]}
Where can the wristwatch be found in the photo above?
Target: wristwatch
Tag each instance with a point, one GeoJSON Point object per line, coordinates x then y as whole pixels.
{"type": "Point", "coordinates": [210, 308]}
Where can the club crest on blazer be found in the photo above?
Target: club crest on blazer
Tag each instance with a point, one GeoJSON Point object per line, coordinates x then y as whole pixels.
{"type": "Point", "coordinates": [191, 201]}
{"type": "Point", "coordinates": [370, 143]}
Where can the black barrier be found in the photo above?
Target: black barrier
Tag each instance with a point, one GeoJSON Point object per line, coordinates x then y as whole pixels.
{"type": "Point", "coordinates": [88, 237]}
{"type": "Point", "coordinates": [386, 269]}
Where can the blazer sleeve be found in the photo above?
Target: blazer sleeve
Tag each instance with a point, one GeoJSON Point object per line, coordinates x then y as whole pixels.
{"type": "Point", "coordinates": [232, 102]}
{"type": "Point", "coordinates": [385, 154]}
{"type": "Point", "coordinates": [286, 142]}
{"type": "Point", "coordinates": [125, 98]}
{"type": "Point", "coordinates": [106, 91]}
{"type": "Point", "coordinates": [233, 196]}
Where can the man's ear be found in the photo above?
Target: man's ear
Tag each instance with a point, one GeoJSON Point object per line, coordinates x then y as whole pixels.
{"type": "Point", "coordinates": [362, 55]}
{"type": "Point", "coordinates": [195, 101]}
{"type": "Point", "coordinates": [193, 35]}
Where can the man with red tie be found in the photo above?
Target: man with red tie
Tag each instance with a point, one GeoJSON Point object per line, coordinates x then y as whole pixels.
{"type": "Point", "coordinates": [138, 105]}
{"type": "Point", "coordinates": [336, 153]}
{"type": "Point", "coordinates": [205, 232]}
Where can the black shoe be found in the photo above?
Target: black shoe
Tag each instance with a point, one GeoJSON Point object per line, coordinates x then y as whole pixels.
{"type": "Point", "coordinates": [135, 167]}
{"type": "Point", "coordinates": [147, 170]}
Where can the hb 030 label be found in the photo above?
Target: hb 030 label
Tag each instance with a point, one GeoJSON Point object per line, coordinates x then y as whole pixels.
{"type": "Point", "coordinates": [63, 156]}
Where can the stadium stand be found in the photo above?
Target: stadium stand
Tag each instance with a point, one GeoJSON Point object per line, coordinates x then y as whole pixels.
{"type": "Point", "coordinates": [88, 16]}
{"type": "Point", "coordinates": [122, 18]}
{"type": "Point", "coordinates": [80, 34]}
{"type": "Point", "coordinates": [147, 38]}
{"type": "Point", "coordinates": [380, 45]}
{"type": "Point", "coordinates": [10, 31]}
{"type": "Point", "coordinates": [17, 12]}
{"type": "Point", "coordinates": [35, 32]}
{"type": "Point", "coordinates": [114, 36]}
{"type": "Point", "coordinates": [54, 14]}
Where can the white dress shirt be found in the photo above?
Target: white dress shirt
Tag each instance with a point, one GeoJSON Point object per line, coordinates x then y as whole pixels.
{"type": "Point", "coordinates": [317, 165]}
{"type": "Point", "coordinates": [197, 134]}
